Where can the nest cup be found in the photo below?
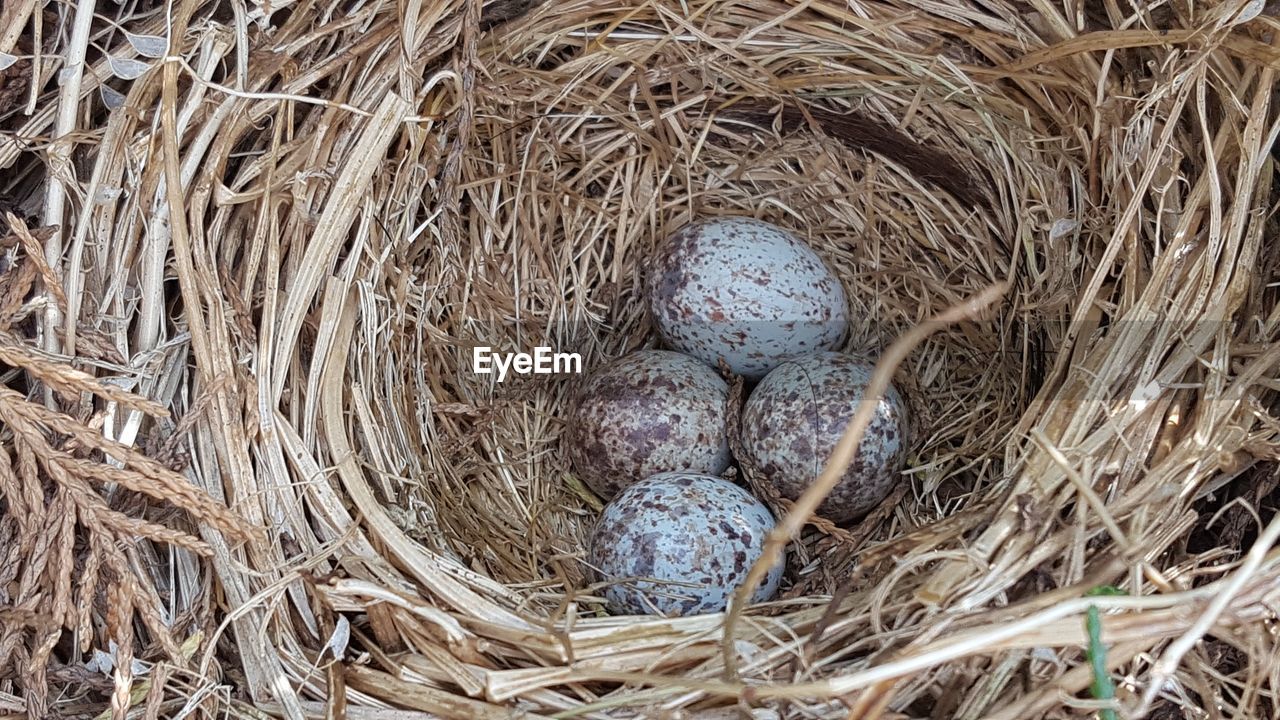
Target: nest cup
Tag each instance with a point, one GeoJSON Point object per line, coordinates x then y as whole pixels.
{"type": "Point", "coordinates": [575, 170]}
{"type": "Point", "coordinates": [352, 229]}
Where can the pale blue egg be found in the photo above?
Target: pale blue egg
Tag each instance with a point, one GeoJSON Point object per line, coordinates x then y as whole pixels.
{"type": "Point", "coordinates": [683, 543]}
{"type": "Point", "coordinates": [745, 291]}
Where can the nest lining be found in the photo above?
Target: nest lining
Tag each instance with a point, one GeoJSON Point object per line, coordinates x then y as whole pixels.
{"type": "Point", "coordinates": [365, 197]}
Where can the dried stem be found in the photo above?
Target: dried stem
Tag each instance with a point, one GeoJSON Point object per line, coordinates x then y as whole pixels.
{"type": "Point", "coordinates": [841, 456]}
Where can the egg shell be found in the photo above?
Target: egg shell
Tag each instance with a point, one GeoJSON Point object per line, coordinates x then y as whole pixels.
{"type": "Point", "coordinates": [796, 415]}
{"type": "Point", "coordinates": [697, 530]}
{"type": "Point", "coordinates": [746, 291]}
{"type": "Point", "coordinates": [648, 412]}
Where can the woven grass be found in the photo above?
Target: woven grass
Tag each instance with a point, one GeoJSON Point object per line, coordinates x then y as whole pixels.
{"type": "Point", "coordinates": [247, 467]}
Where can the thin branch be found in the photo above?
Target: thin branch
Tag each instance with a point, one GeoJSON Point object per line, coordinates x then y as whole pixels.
{"type": "Point", "coordinates": [843, 455]}
{"type": "Point", "coordinates": [60, 168]}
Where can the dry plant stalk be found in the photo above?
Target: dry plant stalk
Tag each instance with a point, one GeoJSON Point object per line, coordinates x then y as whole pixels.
{"type": "Point", "coordinates": [286, 235]}
{"type": "Point", "coordinates": [842, 455]}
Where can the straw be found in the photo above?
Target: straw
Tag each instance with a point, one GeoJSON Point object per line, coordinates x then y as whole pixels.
{"type": "Point", "coordinates": [246, 469]}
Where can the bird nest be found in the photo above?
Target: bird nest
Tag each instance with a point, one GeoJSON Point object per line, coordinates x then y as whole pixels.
{"type": "Point", "coordinates": [250, 248]}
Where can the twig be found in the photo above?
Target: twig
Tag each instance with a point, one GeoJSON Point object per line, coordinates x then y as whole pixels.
{"type": "Point", "coordinates": [843, 455]}
{"type": "Point", "coordinates": [13, 18]}
{"type": "Point", "coordinates": [1084, 488]}
{"type": "Point", "coordinates": [60, 168]}
{"type": "Point", "coordinates": [250, 95]}
{"type": "Point", "coordinates": [1168, 664]}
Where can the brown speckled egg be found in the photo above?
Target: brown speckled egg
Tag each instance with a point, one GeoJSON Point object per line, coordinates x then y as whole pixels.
{"type": "Point", "coordinates": [795, 416]}
{"type": "Point", "coordinates": [746, 291]}
{"type": "Point", "coordinates": [648, 412]}
{"type": "Point", "coordinates": [680, 544]}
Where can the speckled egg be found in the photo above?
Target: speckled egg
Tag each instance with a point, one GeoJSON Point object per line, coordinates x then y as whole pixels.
{"type": "Point", "coordinates": [692, 538]}
{"type": "Point", "coordinates": [795, 416]}
{"type": "Point", "coordinates": [648, 412]}
{"type": "Point", "coordinates": [746, 291]}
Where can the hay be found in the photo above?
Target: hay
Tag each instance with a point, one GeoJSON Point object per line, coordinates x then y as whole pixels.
{"type": "Point", "coordinates": [247, 467]}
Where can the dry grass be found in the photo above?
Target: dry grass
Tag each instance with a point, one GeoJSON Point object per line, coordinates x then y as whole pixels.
{"type": "Point", "coordinates": [242, 443]}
